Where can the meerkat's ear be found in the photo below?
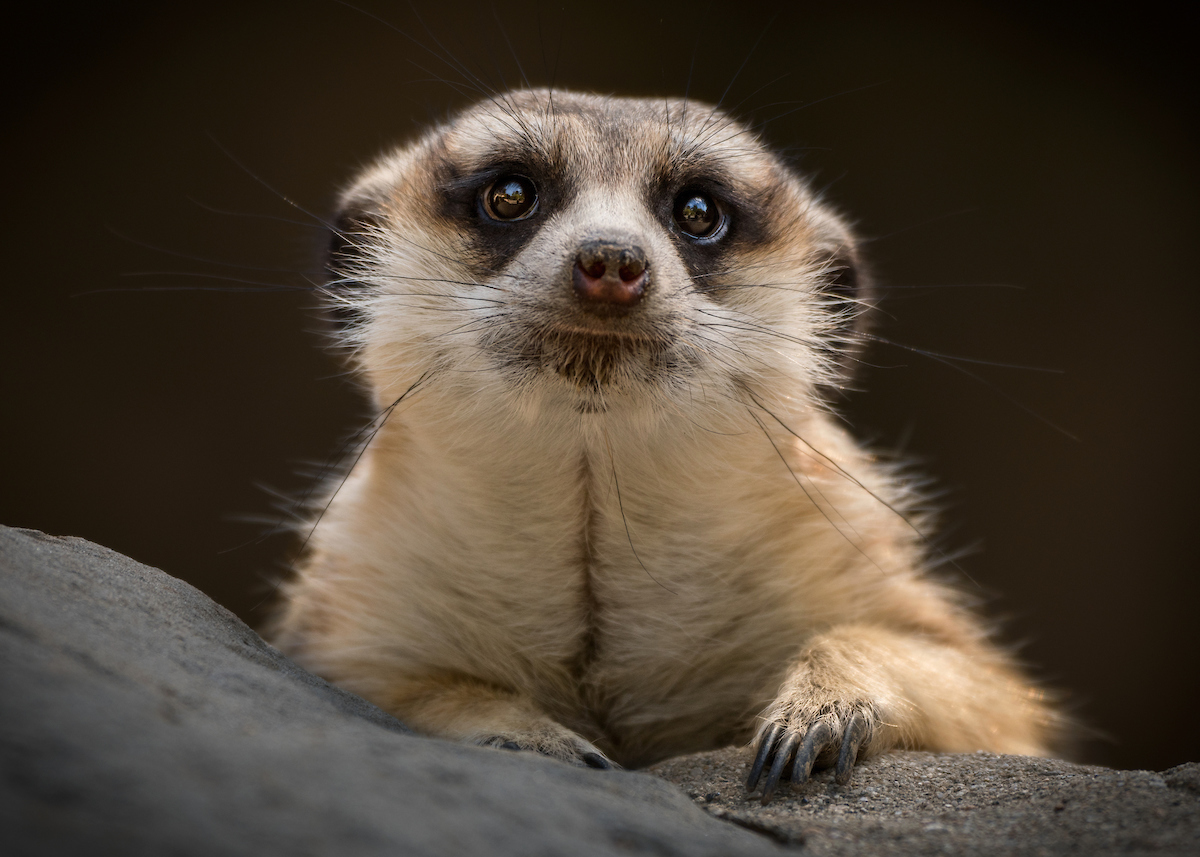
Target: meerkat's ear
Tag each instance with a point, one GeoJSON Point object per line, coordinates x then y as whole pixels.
{"type": "Point", "coordinates": [849, 295]}
{"type": "Point", "coordinates": [354, 235]}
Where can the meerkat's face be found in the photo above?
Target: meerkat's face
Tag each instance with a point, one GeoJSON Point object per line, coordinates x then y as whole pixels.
{"type": "Point", "coordinates": [592, 249]}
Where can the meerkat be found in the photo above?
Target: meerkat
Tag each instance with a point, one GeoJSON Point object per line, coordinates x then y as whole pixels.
{"type": "Point", "coordinates": [607, 512]}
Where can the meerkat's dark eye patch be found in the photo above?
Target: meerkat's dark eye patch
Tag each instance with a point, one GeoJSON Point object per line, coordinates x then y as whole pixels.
{"type": "Point", "coordinates": [697, 215]}
{"type": "Point", "coordinates": [511, 197]}
{"type": "Point", "coordinates": [498, 209]}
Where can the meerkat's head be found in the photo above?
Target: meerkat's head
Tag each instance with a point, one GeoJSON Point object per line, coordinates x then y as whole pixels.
{"type": "Point", "coordinates": [550, 247]}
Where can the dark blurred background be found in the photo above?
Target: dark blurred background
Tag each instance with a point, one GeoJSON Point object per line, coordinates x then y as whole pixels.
{"type": "Point", "coordinates": [1028, 179]}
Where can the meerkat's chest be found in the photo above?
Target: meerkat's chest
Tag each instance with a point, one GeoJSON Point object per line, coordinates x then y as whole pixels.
{"type": "Point", "coordinates": [603, 578]}
{"type": "Point", "coordinates": [628, 577]}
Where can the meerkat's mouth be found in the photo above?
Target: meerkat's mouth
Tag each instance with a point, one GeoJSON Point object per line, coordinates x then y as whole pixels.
{"type": "Point", "coordinates": [588, 359]}
{"type": "Point", "coordinates": [592, 361]}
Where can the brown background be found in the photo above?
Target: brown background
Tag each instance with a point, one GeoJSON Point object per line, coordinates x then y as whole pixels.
{"type": "Point", "coordinates": [1028, 179]}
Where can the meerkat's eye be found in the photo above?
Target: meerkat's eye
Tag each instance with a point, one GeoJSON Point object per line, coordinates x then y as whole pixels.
{"type": "Point", "coordinates": [510, 198]}
{"type": "Point", "coordinates": [697, 215]}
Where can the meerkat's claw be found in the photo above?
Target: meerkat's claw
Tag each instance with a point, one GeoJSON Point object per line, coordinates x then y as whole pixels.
{"type": "Point", "coordinates": [852, 739]}
{"type": "Point", "coordinates": [820, 736]}
{"type": "Point", "coordinates": [784, 752]}
{"type": "Point", "coordinates": [596, 760]}
{"type": "Point", "coordinates": [794, 751]}
{"type": "Point", "coordinates": [766, 742]}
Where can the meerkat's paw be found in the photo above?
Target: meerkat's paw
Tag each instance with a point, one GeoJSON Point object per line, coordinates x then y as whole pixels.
{"type": "Point", "coordinates": [462, 708]}
{"type": "Point", "coordinates": [801, 732]}
{"type": "Point", "coordinates": [558, 743]}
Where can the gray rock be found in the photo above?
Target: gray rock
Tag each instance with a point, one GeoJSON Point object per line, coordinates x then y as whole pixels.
{"type": "Point", "coordinates": [979, 804]}
{"type": "Point", "coordinates": [139, 717]}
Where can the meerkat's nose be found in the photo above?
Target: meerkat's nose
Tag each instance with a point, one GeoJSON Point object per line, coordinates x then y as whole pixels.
{"type": "Point", "coordinates": [610, 278]}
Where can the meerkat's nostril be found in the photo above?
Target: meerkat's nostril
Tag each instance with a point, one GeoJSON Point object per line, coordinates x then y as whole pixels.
{"type": "Point", "coordinates": [632, 265]}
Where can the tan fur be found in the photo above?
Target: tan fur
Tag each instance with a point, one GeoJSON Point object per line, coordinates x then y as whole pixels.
{"type": "Point", "coordinates": [644, 556]}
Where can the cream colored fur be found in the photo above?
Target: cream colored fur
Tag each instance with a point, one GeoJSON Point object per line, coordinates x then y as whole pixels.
{"type": "Point", "coordinates": [652, 564]}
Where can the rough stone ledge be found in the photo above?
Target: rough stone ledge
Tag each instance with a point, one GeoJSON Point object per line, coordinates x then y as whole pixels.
{"type": "Point", "coordinates": [979, 804]}
{"type": "Point", "coordinates": [139, 717]}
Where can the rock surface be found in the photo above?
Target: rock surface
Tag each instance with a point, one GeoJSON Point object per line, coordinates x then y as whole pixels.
{"type": "Point", "coordinates": [980, 804]}
{"type": "Point", "coordinates": [139, 717]}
